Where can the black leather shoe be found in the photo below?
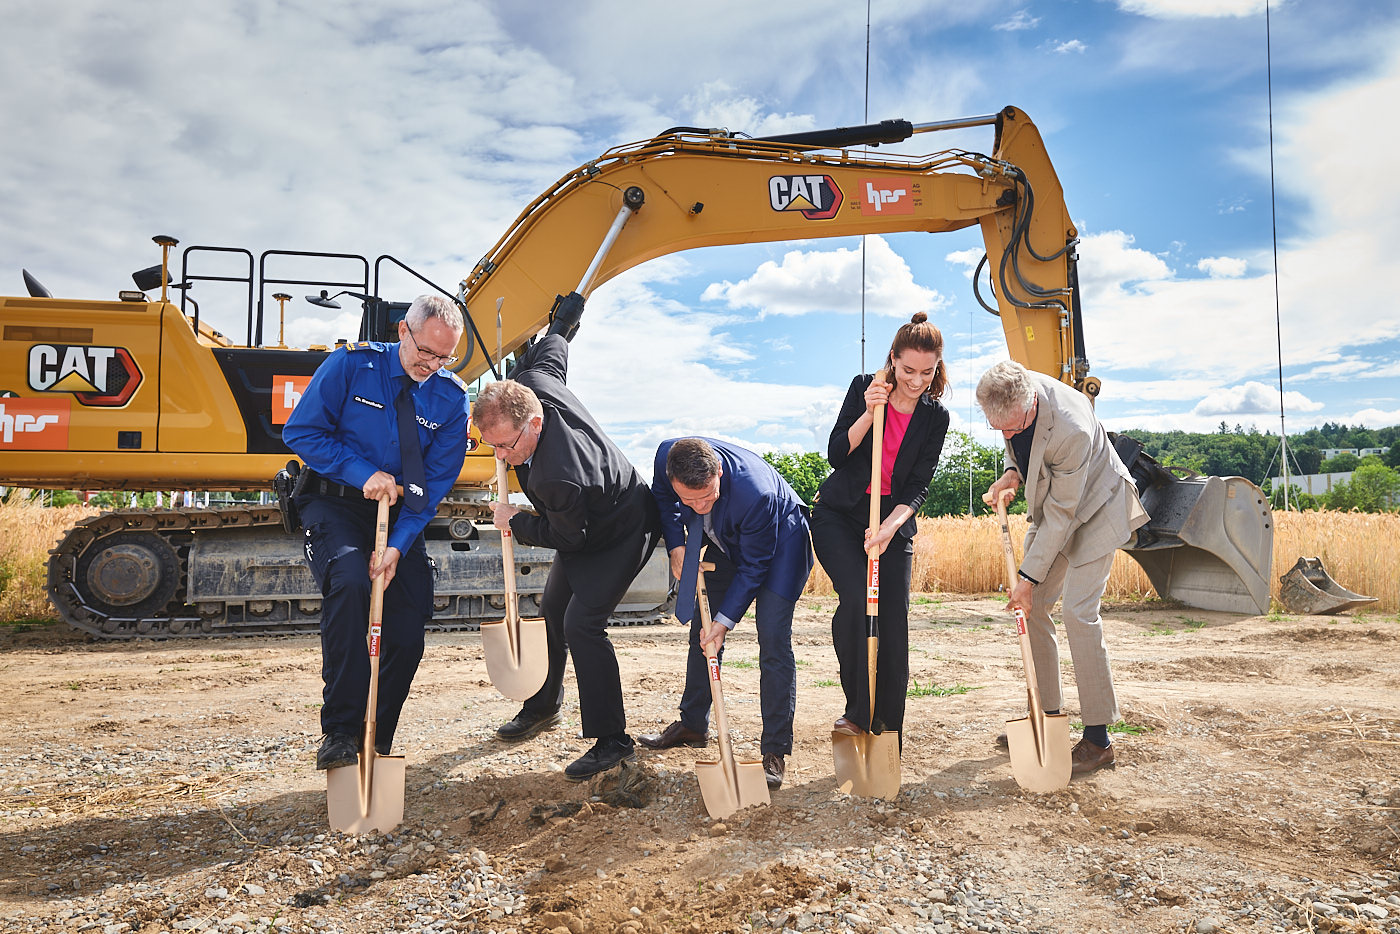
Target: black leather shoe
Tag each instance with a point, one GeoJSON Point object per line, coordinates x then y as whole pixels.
{"type": "Point", "coordinates": [774, 768]}
{"type": "Point", "coordinates": [382, 748]}
{"type": "Point", "coordinates": [606, 753]}
{"type": "Point", "coordinates": [677, 734]}
{"type": "Point", "coordinates": [337, 750]}
{"type": "Point", "coordinates": [526, 724]}
{"type": "Point", "coordinates": [1002, 742]}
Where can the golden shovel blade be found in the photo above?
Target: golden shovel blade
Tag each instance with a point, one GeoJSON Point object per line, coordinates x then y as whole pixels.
{"type": "Point", "coordinates": [516, 663]}
{"type": "Point", "coordinates": [368, 796]}
{"type": "Point", "coordinates": [723, 795]}
{"type": "Point", "coordinates": [1040, 763]}
{"type": "Point", "coordinates": [867, 765]}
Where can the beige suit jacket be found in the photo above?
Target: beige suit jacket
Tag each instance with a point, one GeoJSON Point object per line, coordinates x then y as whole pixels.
{"type": "Point", "coordinates": [1081, 500]}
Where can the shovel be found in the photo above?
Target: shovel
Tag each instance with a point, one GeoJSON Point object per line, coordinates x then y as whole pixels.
{"type": "Point", "coordinates": [1038, 743]}
{"type": "Point", "coordinates": [868, 765]}
{"type": "Point", "coordinates": [517, 651]}
{"type": "Point", "coordinates": [726, 785]}
{"type": "Point", "coordinates": [369, 796]}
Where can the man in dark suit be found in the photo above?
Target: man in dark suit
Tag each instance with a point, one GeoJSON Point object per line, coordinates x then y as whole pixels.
{"type": "Point", "coordinates": [597, 513]}
{"type": "Point", "coordinates": [730, 499]}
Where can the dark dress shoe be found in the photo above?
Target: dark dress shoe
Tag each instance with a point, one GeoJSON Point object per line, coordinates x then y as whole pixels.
{"type": "Point", "coordinates": [846, 727]}
{"type": "Point", "coordinates": [1002, 742]}
{"type": "Point", "coordinates": [526, 724]}
{"type": "Point", "coordinates": [1090, 757]}
{"type": "Point", "coordinates": [382, 748]}
{"type": "Point", "coordinates": [677, 734]}
{"type": "Point", "coordinates": [774, 768]}
{"type": "Point", "coordinates": [337, 751]}
{"type": "Point", "coordinates": [606, 753]}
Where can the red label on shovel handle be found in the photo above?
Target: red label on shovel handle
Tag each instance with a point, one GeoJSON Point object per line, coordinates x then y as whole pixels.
{"type": "Point", "coordinates": [374, 640]}
{"type": "Point", "coordinates": [872, 587]}
{"type": "Point", "coordinates": [1020, 621]}
{"type": "Point", "coordinates": [714, 667]}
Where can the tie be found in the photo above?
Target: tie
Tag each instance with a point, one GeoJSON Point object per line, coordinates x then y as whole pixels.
{"type": "Point", "coordinates": [690, 569]}
{"type": "Point", "coordinates": [414, 495]}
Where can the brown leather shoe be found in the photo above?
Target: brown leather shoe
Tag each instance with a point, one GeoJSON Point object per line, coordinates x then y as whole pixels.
{"type": "Point", "coordinates": [846, 727]}
{"type": "Point", "coordinates": [677, 734]}
{"type": "Point", "coordinates": [1088, 757]}
{"type": "Point", "coordinates": [774, 768]}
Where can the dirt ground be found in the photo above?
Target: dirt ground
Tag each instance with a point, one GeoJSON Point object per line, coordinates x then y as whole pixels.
{"type": "Point", "coordinates": [170, 786]}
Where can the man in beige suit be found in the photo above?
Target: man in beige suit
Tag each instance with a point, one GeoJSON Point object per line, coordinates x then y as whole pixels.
{"type": "Point", "coordinates": [1082, 507]}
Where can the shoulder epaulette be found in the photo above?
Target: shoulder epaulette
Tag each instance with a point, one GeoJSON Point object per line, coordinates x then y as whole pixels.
{"type": "Point", "coordinates": [367, 345]}
{"type": "Point", "coordinates": [454, 377]}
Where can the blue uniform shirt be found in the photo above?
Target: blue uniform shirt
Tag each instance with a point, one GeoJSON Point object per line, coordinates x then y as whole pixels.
{"type": "Point", "coordinates": [345, 427]}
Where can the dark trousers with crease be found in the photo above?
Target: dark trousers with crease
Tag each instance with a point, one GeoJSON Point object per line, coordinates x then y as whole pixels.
{"type": "Point", "coordinates": [338, 543]}
{"type": "Point", "coordinates": [576, 625]}
{"type": "Point", "coordinates": [777, 668]}
{"type": "Point", "coordinates": [838, 539]}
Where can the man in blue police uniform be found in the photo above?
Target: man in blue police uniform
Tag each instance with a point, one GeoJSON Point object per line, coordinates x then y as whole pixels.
{"type": "Point", "coordinates": [729, 498]}
{"type": "Point", "coordinates": [376, 416]}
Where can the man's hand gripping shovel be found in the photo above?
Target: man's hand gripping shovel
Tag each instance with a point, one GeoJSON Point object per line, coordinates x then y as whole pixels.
{"type": "Point", "coordinates": [868, 764]}
{"type": "Point", "coordinates": [369, 796]}
{"type": "Point", "coordinates": [729, 784]}
{"type": "Point", "coordinates": [1038, 743]}
{"type": "Point", "coordinates": [517, 651]}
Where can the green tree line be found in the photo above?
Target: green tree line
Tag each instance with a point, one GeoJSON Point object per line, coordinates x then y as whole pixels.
{"type": "Point", "coordinates": [967, 468]}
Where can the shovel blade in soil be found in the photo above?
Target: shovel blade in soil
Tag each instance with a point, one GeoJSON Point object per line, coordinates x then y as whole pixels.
{"type": "Point", "coordinates": [867, 765]}
{"type": "Point", "coordinates": [366, 797]}
{"type": "Point", "coordinates": [724, 795]}
{"type": "Point", "coordinates": [1040, 763]}
{"type": "Point", "coordinates": [516, 662]}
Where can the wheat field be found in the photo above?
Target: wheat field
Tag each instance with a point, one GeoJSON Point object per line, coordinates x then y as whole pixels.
{"type": "Point", "coordinates": [961, 554]}
{"type": "Point", "coordinates": [953, 554]}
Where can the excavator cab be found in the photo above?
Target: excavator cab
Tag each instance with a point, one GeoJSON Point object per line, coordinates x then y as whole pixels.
{"type": "Point", "coordinates": [1209, 542]}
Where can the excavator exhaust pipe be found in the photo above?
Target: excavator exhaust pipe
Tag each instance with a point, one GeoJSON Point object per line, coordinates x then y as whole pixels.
{"type": "Point", "coordinates": [1308, 589]}
{"type": "Point", "coordinates": [1209, 542]}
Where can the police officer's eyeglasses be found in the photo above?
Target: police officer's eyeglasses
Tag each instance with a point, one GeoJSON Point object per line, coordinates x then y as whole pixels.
{"type": "Point", "coordinates": [442, 359]}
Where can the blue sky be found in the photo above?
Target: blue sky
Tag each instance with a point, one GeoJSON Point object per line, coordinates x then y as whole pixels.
{"type": "Point", "coordinates": [421, 129]}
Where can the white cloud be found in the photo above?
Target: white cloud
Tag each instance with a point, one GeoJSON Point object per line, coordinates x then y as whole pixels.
{"type": "Point", "coordinates": [830, 280]}
{"type": "Point", "coordinates": [1067, 46]}
{"type": "Point", "coordinates": [1252, 398]}
{"type": "Point", "coordinates": [1374, 418]}
{"type": "Point", "coordinates": [1018, 21]}
{"type": "Point", "coordinates": [716, 104]}
{"type": "Point", "coordinates": [1188, 9]}
{"type": "Point", "coordinates": [1222, 267]}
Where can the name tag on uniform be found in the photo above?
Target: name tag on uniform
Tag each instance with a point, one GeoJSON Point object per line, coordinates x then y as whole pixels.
{"type": "Point", "coordinates": [369, 402]}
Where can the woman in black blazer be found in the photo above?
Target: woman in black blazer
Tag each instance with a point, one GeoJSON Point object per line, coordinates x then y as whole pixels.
{"type": "Point", "coordinates": [915, 425]}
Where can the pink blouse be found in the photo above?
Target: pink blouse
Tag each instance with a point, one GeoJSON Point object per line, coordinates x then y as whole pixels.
{"type": "Point", "coordinates": [896, 426]}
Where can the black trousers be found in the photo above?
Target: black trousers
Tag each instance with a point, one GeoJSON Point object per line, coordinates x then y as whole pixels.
{"type": "Point", "coordinates": [838, 539]}
{"type": "Point", "coordinates": [576, 625]}
{"type": "Point", "coordinates": [338, 543]}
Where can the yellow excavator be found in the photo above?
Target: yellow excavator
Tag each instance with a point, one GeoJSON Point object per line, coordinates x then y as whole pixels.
{"type": "Point", "coordinates": [141, 394]}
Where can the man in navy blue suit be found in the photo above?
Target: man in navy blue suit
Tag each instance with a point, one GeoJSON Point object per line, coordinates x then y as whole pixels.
{"type": "Point", "coordinates": [726, 497]}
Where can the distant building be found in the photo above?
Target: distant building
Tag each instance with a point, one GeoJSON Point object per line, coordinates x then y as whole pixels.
{"type": "Point", "coordinates": [1315, 484]}
{"type": "Point", "coordinates": [1328, 453]}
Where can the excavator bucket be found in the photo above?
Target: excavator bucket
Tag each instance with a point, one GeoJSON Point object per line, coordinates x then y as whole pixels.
{"type": "Point", "coordinates": [1209, 542]}
{"type": "Point", "coordinates": [1307, 588]}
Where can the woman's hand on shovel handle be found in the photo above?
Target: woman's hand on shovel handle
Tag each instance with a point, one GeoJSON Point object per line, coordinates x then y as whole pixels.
{"type": "Point", "coordinates": [877, 393]}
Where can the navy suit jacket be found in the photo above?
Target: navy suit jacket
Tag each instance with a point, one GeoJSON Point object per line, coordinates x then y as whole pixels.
{"type": "Point", "coordinates": [758, 518]}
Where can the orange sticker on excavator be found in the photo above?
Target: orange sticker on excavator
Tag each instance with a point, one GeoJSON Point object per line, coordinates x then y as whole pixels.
{"type": "Point", "coordinates": [286, 392]}
{"type": "Point", "coordinates": [28, 424]}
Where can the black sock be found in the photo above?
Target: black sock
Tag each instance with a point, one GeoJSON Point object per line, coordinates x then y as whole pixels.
{"type": "Point", "coordinates": [1053, 713]}
{"type": "Point", "coordinates": [1098, 735]}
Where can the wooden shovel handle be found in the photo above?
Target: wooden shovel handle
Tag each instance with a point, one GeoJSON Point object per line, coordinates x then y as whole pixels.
{"type": "Point", "coordinates": [376, 624]}
{"type": "Point", "coordinates": [872, 557]}
{"type": "Point", "coordinates": [1027, 659]}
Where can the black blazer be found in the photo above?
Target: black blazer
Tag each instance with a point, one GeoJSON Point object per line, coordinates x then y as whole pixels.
{"type": "Point", "coordinates": [594, 508]}
{"type": "Point", "coordinates": [844, 488]}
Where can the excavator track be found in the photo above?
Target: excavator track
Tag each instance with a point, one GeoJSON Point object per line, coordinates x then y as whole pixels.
{"type": "Point", "coordinates": [235, 571]}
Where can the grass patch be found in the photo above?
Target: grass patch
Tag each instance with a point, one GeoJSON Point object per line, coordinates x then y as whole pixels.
{"type": "Point", "coordinates": [926, 601]}
{"type": "Point", "coordinates": [1192, 625]}
{"type": "Point", "coordinates": [1159, 628]}
{"type": "Point", "coordinates": [826, 683]}
{"type": "Point", "coordinates": [742, 663]}
{"type": "Point", "coordinates": [1122, 727]}
{"type": "Point", "coordinates": [803, 663]}
{"type": "Point", "coordinates": [934, 690]}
